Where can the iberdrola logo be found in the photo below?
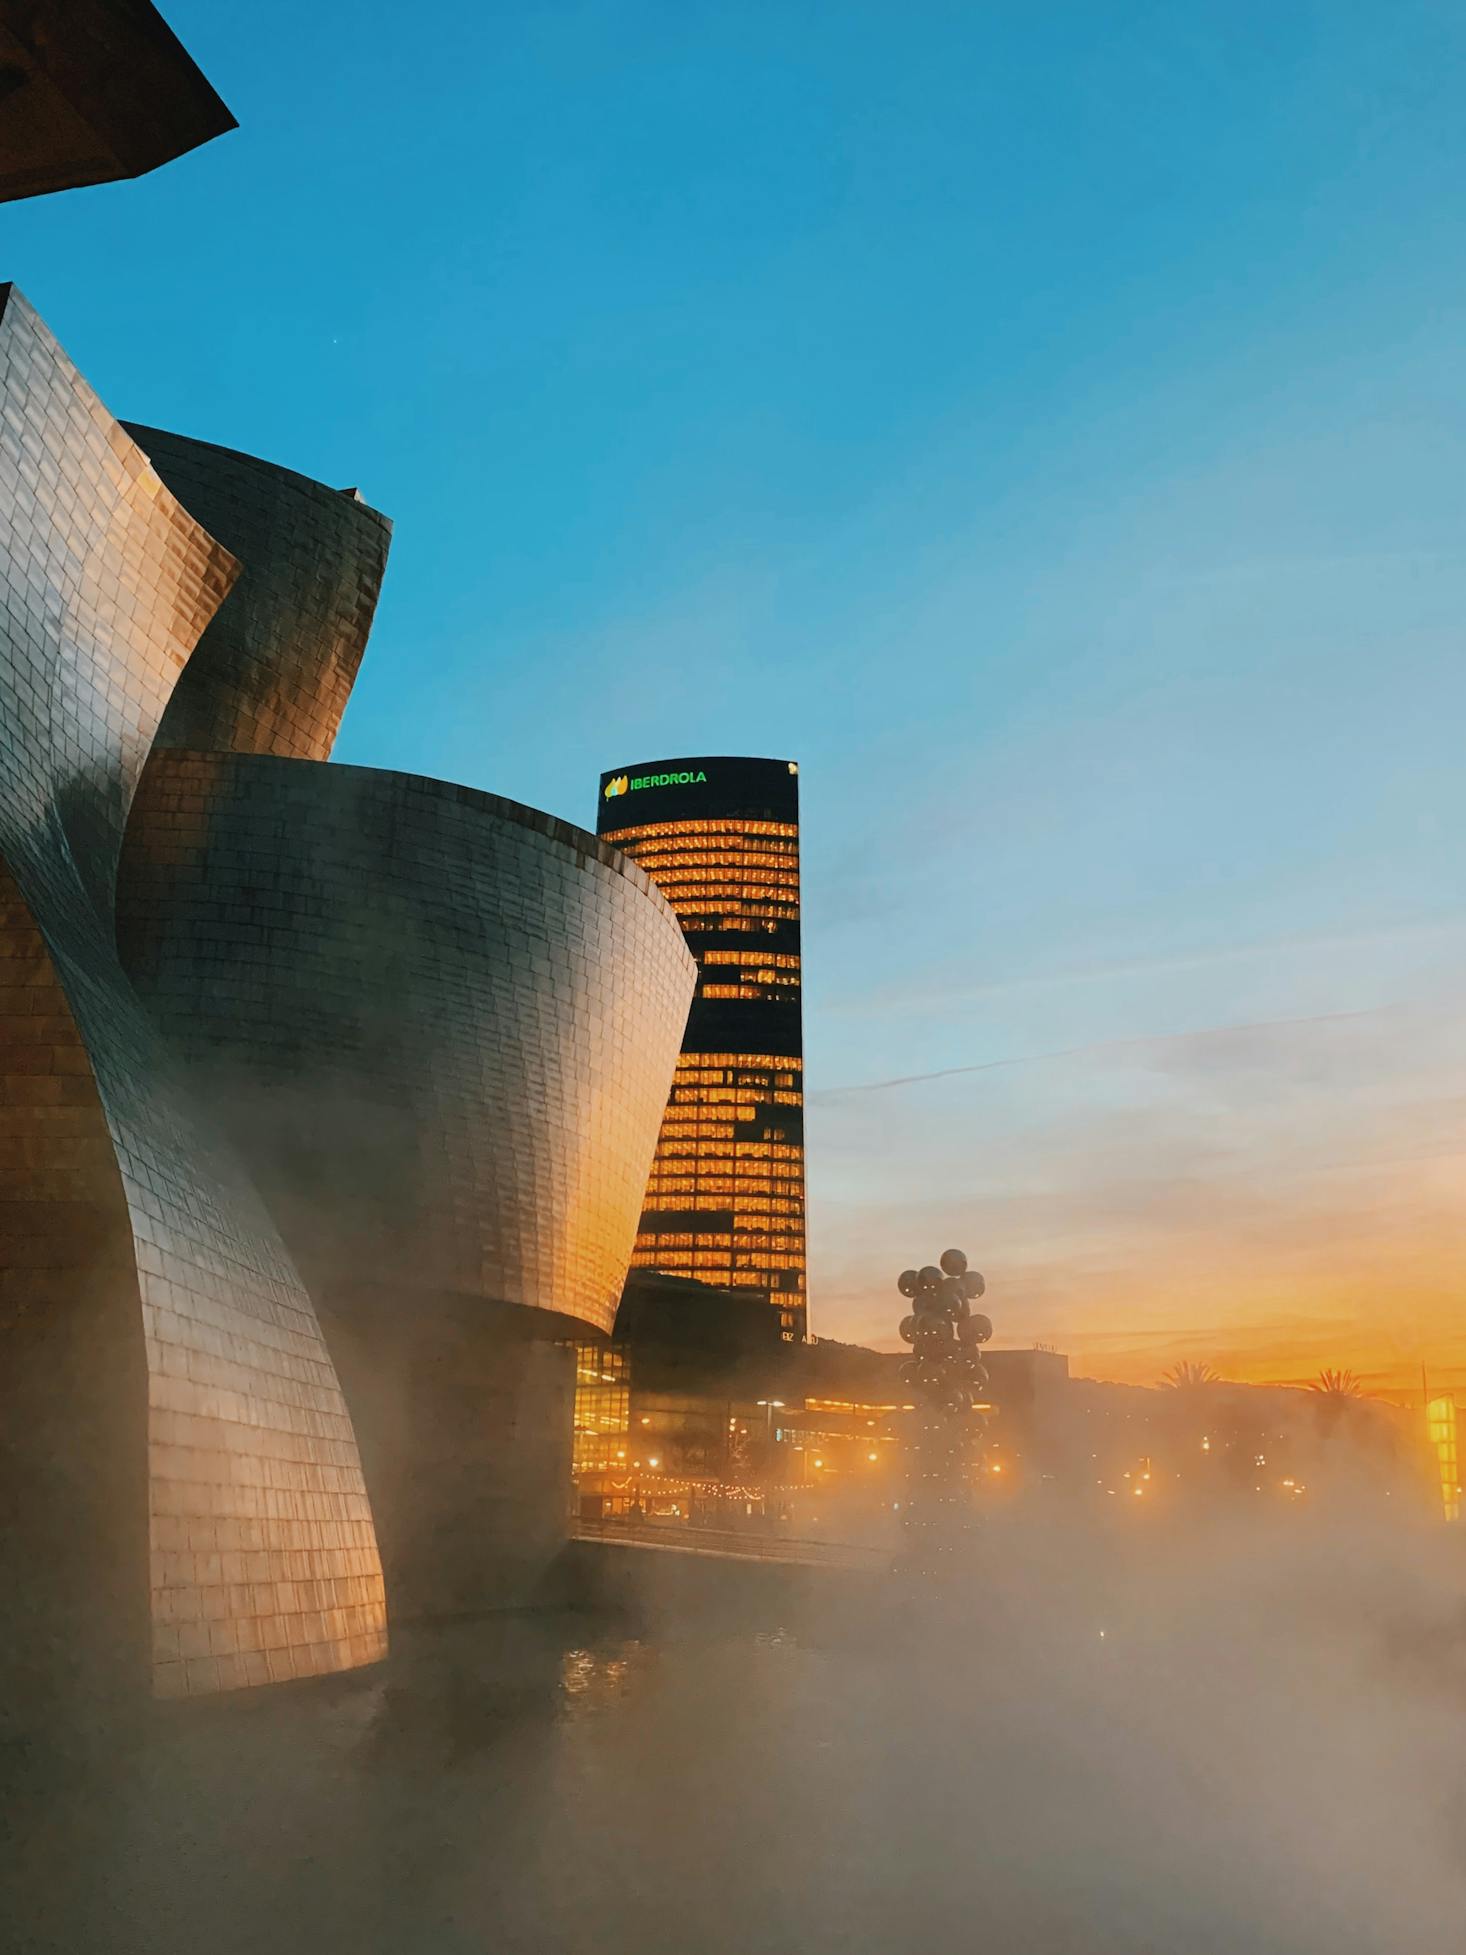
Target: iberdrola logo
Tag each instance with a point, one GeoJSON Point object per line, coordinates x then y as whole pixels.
{"type": "Point", "coordinates": [629, 783]}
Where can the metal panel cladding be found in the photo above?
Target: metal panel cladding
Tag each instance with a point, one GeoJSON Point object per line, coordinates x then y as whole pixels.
{"type": "Point", "coordinates": [440, 1025]}
{"type": "Point", "coordinates": [275, 666]}
{"type": "Point", "coordinates": [719, 836]}
{"type": "Point", "coordinates": [191, 1459]}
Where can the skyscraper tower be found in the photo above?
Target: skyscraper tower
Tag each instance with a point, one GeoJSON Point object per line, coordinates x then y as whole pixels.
{"type": "Point", "coordinates": [725, 1203]}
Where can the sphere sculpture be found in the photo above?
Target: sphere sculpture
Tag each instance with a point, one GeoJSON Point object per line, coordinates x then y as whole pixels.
{"type": "Point", "coordinates": [946, 1377]}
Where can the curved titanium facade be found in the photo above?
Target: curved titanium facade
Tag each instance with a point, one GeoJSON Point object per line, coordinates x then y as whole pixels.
{"type": "Point", "coordinates": [327, 1112]}
{"type": "Point", "coordinates": [719, 836]}
{"type": "Point", "coordinates": [274, 668]}
{"type": "Point", "coordinates": [441, 1029]}
{"type": "Point", "coordinates": [443, 1023]}
{"type": "Point", "coordinates": [181, 1435]}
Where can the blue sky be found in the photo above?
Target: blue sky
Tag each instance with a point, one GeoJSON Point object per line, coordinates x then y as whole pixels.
{"type": "Point", "coordinates": [1045, 423]}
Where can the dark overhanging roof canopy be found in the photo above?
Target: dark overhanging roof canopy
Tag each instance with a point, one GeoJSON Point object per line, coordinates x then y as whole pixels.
{"type": "Point", "coordinates": [95, 90]}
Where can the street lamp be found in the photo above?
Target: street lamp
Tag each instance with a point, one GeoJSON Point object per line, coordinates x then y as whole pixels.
{"type": "Point", "coordinates": [770, 1405]}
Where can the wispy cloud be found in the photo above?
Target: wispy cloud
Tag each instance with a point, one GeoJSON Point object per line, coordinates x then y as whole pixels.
{"type": "Point", "coordinates": [1141, 1042]}
{"type": "Point", "coordinates": [1274, 1195]}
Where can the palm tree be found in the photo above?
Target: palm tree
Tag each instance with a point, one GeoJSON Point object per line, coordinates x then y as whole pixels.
{"type": "Point", "coordinates": [1189, 1376]}
{"type": "Point", "coordinates": [1337, 1385]}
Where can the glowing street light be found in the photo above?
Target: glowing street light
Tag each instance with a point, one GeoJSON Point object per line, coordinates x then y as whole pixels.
{"type": "Point", "coordinates": [770, 1405]}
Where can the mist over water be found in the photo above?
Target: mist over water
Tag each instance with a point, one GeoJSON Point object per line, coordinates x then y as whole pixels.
{"type": "Point", "coordinates": [1262, 1754]}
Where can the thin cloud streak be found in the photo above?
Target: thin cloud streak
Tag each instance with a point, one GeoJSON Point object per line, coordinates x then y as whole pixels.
{"type": "Point", "coordinates": [1142, 1041]}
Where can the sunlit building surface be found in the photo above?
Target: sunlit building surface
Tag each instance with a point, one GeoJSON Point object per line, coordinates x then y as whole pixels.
{"type": "Point", "coordinates": [1440, 1421]}
{"type": "Point", "coordinates": [725, 1202]}
{"type": "Point", "coordinates": [211, 1527]}
{"type": "Point", "coordinates": [439, 1028]}
{"type": "Point", "coordinates": [327, 1095]}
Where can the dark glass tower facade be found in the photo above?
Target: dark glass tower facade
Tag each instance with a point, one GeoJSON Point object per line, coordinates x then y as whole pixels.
{"type": "Point", "coordinates": [725, 1203]}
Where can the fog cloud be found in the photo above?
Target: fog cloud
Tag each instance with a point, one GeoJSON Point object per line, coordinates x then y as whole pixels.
{"type": "Point", "coordinates": [1218, 1739]}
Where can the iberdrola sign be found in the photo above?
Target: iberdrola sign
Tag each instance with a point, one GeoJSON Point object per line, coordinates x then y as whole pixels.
{"type": "Point", "coordinates": [628, 783]}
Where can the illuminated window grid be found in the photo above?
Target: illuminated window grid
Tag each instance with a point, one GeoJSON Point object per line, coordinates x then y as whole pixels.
{"type": "Point", "coordinates": [745, 855]}
{"type": "Point", "coordinates": [778, 960]}
{"type": "Point", "coordinates": [1441, 1425]}
{"type": "Point", "coordinates": [753, 1068]}
{"type": "Point", "coordinates": [700, 849]}
{"type": "Point", "coordinates": [713, 1094]}
{"type": "Point", "coordinates": [708, 1105]}
{"type": "Point", "coordinates": [685, 859]}
{"type": "Point", "coordinates": [738, 1272]}
{"type": "Point", "coordinates": [747, 1183]}
{"type": "Point", "coordinates": [701, 913]}
{"type": "Point", "coordinates": [779, 869]}
{"type": "Point", "coordinates": [753, 1201]}
{"type": "Point", "coordinates": [751, 920]}
{"type": "Point", "coordinates": [602, 1406]}
{"type": "Point", "coordinates": [735, 873]}
{"type": "Point", "coordinates": [719, 875]}
{"type": "Point", "coordinates": [683, 889]}
{"type": "Point", "coordinates": [748, 974]}
{"type": "Point", "coordinates": [733, 825]}
{"type": "Point", "coordinates": [730, 876]}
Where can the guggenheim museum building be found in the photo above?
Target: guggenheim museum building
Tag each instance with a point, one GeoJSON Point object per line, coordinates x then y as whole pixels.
{"type": "Point", "coordinates": [327, 1095]}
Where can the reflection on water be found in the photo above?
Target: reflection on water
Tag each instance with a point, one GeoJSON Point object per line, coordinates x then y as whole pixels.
{"type": "Point", "coordinates": [593, 1679]}
{"type": "Point", "coordinates": [1243, 1764]}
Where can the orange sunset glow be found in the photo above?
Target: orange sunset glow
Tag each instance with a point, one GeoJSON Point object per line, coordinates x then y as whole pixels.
{"type": "Point", "coordinates": [1270, 1198]}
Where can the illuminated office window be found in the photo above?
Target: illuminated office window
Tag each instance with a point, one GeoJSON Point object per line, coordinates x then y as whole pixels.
{"type": "Point", "coordinates": [602, 1407]}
